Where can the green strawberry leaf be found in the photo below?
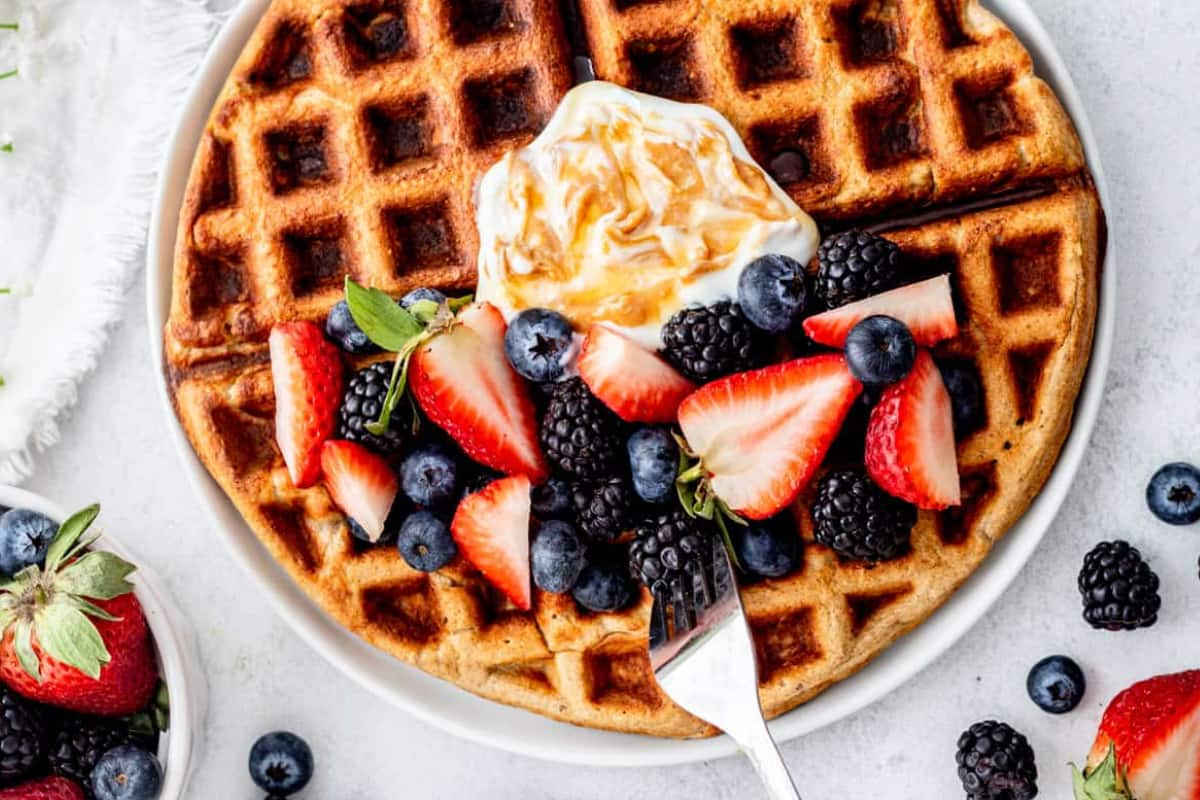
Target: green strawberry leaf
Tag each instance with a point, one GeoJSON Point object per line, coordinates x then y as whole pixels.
{"type": "Point", "coordinates": [379, 316]}
{"type": "Point", "coordinates": [67, 635]}
{"type": "Point", "coordinates": [458, 303]}
{"type": "Point", "coordinates": [396, 388]}
{"type": "Point", "coordinates": [98, 574]}
{"type": "Point", "coordinates": [424, 310]}
{"type": "Point", "coordinates": [91, 609]}
{"type": "Point", "coordinates": [23, 644]}
{"type": "Point", "coordinates": [1105, 782]}
{"type": "Point", "coordinates": [68, 537]}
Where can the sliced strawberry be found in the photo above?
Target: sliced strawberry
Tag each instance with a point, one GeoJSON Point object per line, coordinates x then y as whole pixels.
{"type": "Point", "coordinates": [308, 387]}
{"type": "Point", "coordinates": [635, 383]}
{"type": "Point", "coordinates": [910, 449]}
{"type": "Point", "coordinates": [761, 435]}
{"type": "Point", "coordinates": [491, 529]}
{"type": "Point", "coordinates": [464, 384]}
{"type": "Point", "coordinates": [927, 308]}
{"type": "Point", "coordinates": [361, 483]}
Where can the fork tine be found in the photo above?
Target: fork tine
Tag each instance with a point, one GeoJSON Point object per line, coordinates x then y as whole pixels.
{"type": "Point", "coordinates": [658, 620]}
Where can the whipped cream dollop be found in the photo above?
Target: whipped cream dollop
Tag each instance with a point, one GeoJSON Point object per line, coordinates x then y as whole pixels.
{"type": "Point", "coordinates": [626, 208]}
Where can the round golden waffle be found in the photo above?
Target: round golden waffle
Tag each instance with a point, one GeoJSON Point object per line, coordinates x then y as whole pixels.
{"type": "Point", "coordinates": [347, 141]}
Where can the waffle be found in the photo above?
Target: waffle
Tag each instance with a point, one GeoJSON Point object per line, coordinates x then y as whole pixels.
{"type": "Point", "coordinates": [920, 118]}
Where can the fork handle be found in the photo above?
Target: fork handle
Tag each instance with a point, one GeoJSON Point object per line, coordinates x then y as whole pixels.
{"type": "Point", "coordinates": [760, 748]}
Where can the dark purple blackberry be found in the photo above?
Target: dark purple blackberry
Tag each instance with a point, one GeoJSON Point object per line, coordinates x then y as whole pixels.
{"type": "Point", "coordinates": [854, 265]}
{"type": "Point", "coordinates": [669, 546]}
{"type": "Point", "coordinates": [1120, 591]}
{"type": "Point", "coordinates": [604, 509]}
{"type": "Point", "coordinates": [709, 342]}
{"type": "Point", "coordinates": [996, 763]}
{"type": "Point", "coordinates": [362, 403]}
{"type": "Point", "coordinates": [858, 520]}
{"type": "Point", "coordinates": [80, 743]}
{"type": "Point", "coordinates": [22, 737]}
{"type": "Point", "coordinates": [581, 437]}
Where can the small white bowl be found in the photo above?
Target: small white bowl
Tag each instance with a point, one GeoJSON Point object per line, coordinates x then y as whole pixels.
{"type": "Point", "coordinates": [178, 748]}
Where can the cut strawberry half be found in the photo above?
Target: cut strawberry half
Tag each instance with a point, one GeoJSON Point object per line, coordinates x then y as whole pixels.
{"type": "Point", "coordinates": [632, 381]}
{"type": "Point", "coordinates": [910, 448]}
{"type": "Point", "coordinates": [464, 384]}
{"type": "Point", "coordinates": [361, 483]}
{"type": "Point", "coordinates": [491, 529]}
{"type": "Point", "coordinates": [308, 386]}
{"type": "Point", "coordinates": [927, 308]}
{"type": "Point", "coordinates": [761, 435]}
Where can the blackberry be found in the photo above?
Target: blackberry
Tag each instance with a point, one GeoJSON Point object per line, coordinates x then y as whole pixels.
{"type": "Point", "coordinates": [1120, 591]}
{"type": "Point", "coordinates": [854, 265]}
{"type": "Point", "coordinates": [669, 546]}
{"type": "Point", "coordinates": [581, 437]}
{"type": "Point", "coordinates": [604, 509]}
{"type": "Point", "coordinates": [80, 743]}
{"type": "Point", "coordinates": [361, 403]}
{"type": "Point", "coordinates": [996, 763]}
{"type": "Point", "coordinates": [708, 342]}
{"type": "Point", "coordinates": [858, 520]}
{"type": "Point", "coordinates": [22, 737]}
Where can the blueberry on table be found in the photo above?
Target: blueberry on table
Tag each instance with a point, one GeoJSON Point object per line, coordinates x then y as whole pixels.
{"type": "Point", "coordinates": [772, 292]}
{"type": "Point", "coordinates": [769, 549]}
{"type": "Point", "coordinates": [1173, 494]}
{"type": "Point", "coordinates": [127, 773]}
{"type": "Point", "coordinates": [425, 542]}
{"type": "Point", "coordinates": [880, 350]}
{"type": "Point", "coordinates": [1056, 684]}
{"type": "Point", "coordinates": [653, 463]}
{"type": "Point", "coordinates": [281, 763]}
{"type": "Point", "coordinates": [429, 476]}
{"type": "Point", "coordinates": [539, 344]}
{"type": "Point", "coordinates": [25, 536]}
{"type": "Point", "coordinates": [343, 331]}
{"type": "Point", "coordinates": [557, 556]}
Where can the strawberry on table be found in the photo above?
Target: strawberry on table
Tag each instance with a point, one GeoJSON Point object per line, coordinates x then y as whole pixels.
{"type": "Point", "coordinates": [635, 383]}
{"type": "Point", "coordinates": [761, 435]}
{"type": "Point", "coordinates": [910, 448]}
{"type": "Point", "coordinates": [361, 483]}
{"type": "Point", "coordinates": [307, 372]}
{"type": "Point", "coordinates": [491, 529]}
{"type": "Point", "coordinates": [54, 788]}
{"type": "Point", "coordinates": [463, 382]}
{"type": "Point", "coordinates": [74, 635]}
{"type": "Point", "coordinates": [927, 308]}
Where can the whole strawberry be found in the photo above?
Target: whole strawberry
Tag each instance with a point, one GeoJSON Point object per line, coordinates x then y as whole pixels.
{"type": "Point", "coordinates": [55, 788]}
{"type": "Point", "coordinates": [74, 635]}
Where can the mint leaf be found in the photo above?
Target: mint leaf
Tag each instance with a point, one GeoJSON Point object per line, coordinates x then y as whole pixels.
{"type": "Point", "coordinates": [68, 536]}
{"type": "Point", "coordinates": [379, 316]}
{"type": "Point", "coordinates": [67, 635]}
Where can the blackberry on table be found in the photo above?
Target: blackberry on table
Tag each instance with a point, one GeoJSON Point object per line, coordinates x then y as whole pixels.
{"type": "Point", "coordinates": [854, 265]}
{"type": "Point", "coordinates": [669, 546]}
{"type": "Point", "coordinates": [996, 762]}
{"type": "Point", "coordinates": [22, 737]}
{"type": "Point", "coordinates": [858, 520]}
{"type": "Point", "coordinates": [604, 509]}
{"type": "Point", "coordinates": [362, 403]}
{"type": "Point", "coordinates": [1119, 590]}
{"type": "Point", "coordinates": [80, 743]}
{"type": "Point", "coordinates": [580, 436]}
{"type": "Point", "coordinates": [706, 343]}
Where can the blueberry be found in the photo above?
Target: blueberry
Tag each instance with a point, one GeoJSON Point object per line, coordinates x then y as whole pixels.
{"type": "Point", "coordinates": [25, 536]}
{"type": "Point", "coordinates": [422, 293]}
{"type": "Point", "coordinates": [281, 763]}
{"type": "Point", "coordinates": [772, 292]}
{"type": "Point", "coordinates": [539, 344]}
{"type": "Point", "coordinates": [341, 328]}
{"type": "Point", "coordinates": [425, 542]}
{"type": "Point", "coordinates": [604, 587]}
{"type": "Point", "coordinates": [764, 548]}
{"type": "Point", "coordinates": [966, 396]}
{"type": "Point", "coordinates": [1173, 494]}
{"type": "Point", "coordinates": [557, 556]}
{"type": "Point", "coordinates": [653, 463]}
{"type": "Point", "coordinates": [1056, 684]}
{"type": "Point", "coordinates": [429, 476]}
{"type": "Point", "coordinates": [551, 499]}
{"type": "Point", "coordinates": [127, 773]}
{"type": "Point", "coordinates": [880, 350]}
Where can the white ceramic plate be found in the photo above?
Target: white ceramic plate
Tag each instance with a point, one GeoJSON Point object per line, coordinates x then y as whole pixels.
{"type": "Point", "coordinates": [461, 713]}
{"type": "Point", "coordinates": [178, 748]}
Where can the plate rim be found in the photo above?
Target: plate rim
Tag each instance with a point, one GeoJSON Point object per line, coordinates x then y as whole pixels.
{"type": "Point", "coordinates": [455, 710]}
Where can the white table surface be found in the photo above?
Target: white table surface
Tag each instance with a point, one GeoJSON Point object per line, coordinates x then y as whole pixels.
{"type": "Point", "coordinates": [1136, 64]}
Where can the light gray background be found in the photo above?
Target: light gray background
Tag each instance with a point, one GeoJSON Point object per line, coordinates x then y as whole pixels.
{"type": "Point", "coordinates": [1137, 65]}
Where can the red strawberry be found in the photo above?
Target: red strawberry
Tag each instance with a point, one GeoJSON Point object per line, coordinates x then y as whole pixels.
{"type": "Point", "coordinates": [55, 788]}
{"type": "Point", "coordinates": [761, 435]}
{"type": "Point", "coordinates": [74, 634]}
{"type": "Point", "coordinates": [361, 483]}
{"type": "Point", "coordinates": [634, 382]}
{"type": "Point", "coordinates": [910, 449]}
{"type": "Point", "coordinates": [464, 384]}
{"type": "Point", "coordinates": [927, 308]}
{"type": "Point", "coordinates": [491, 528]}
{"type": "Point", "coordinates": [308, 387]}
{"type": "Point", "coordinates": [1154, 729]}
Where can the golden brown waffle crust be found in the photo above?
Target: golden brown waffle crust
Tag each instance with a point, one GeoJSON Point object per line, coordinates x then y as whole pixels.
{"type": "Point", "coordinates": [293, 186]}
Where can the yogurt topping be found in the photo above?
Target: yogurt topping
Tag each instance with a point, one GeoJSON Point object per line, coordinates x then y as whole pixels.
{"type": "Point", "coordinates": [626, 208]}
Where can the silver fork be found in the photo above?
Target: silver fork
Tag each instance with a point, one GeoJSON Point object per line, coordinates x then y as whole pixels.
{"type": "Point", "coordinates": [703, 658]}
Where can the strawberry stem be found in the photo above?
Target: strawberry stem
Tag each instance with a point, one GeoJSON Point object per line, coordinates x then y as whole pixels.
{"type": "Point", "coordinates": [12, 73]}
{"type": "Point", "coordinates": [10, 26]}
